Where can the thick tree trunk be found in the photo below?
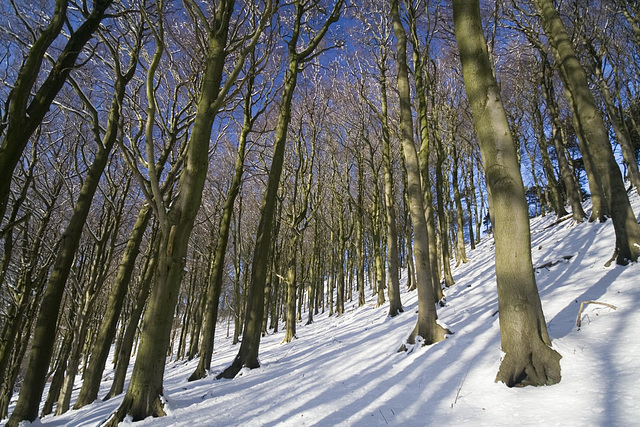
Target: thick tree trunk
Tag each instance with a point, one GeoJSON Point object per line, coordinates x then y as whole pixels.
{"type": "Point", "coordinates": [596, 141]}
{"type": "Point", "coordinates": [528, 360]}
{"type": "Point", "coordinates": [124, 352]}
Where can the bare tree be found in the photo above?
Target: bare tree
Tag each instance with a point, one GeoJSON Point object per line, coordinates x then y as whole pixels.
{"type": "Point", "coordinates": [529, 359]}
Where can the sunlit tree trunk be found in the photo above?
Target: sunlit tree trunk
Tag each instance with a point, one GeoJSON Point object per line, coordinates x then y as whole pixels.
{"type": "Point", "coordinates": [529, 359]}
{"type": "Point", "coordinates": [248, 353]}
{"type": "Point", "coordinates": [426, 326]}
{"type": "Point", "coordinates": [590, 120]}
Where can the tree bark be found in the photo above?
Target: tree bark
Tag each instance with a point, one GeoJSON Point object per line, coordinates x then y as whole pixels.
{"type": "Point", "coordinates": [23, 119]}
{"type": "Point", "coordinates": [529, 359]}
{"type": "Point", "coordinates": [426, 326]}
{"type": "Point", "coordinates": [590, 120]}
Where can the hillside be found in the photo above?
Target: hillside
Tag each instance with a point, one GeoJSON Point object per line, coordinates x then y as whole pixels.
{"type": "Point", "coordinates": [346, 371]}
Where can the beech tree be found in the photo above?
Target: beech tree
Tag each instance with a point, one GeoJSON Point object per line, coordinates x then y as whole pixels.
{"type": "Point", "coordinates": [426, 326]}
{"type": "Point", "coordinates": [143, 397]}
{"type": "Point", "coordinates": [596, 140]}
{"type": "Point", "coordinates": [24, 112]}
{"type": "Point", "coordinates": [248, 352]}
{"type": "Point", "coordinates": [44, 335]}
{"type": "Point", "coordinates": [529, 358]}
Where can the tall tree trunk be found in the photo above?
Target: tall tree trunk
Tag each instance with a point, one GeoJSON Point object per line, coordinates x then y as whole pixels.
{"type": "Point", "coordinates": [529, 359]}
{"type": "Point", "coordinates": [47, 322]}
{"type": "Point", "coordinates": [461, 252]}
{"type": "Point", "coordinates": [426, 326]}
{"type": "Point", "coordinates": [143, 397]}
{"type": "Point", "coordinates": [248, 353]}
{"type": "Point", "coordinates": [470, 197]}
{"type": "Point", "coordinates": [107, 330]}
{"type": "Point", "coordinates": [622, 137]}
{"type": "Point", "coordinates": [395, 304]}
{"type": "Point", "coordinates": [124, 353]}
{"type": "Point", "coordinates": [557, 200]}
{"type": "Point", "coordinates": [572, 188]}
{"type": "Point", "coordinates": [442, 187]}
{"type": "Point", "coordinates": [359, 243]}
{"type": "Point", "coordinates": [597, 143]}
{"type": "Point", "coordinates": [217, 266]}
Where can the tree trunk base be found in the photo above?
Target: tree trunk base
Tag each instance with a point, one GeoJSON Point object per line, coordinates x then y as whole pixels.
{"type": "Point", "coordinates": [235, 367]}
{"type": "Point", "coordinates": [439, 333]}
{"type": "Point", "coordinates": [198, 374]}
{"type": "Point", "coordinates": [534, 366]}
{"type": "Point", "coordinates": [147, 406]}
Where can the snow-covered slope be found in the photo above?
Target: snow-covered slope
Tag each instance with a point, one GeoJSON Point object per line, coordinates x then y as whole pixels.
{"type": "Point", "coordinates": [346, 371]}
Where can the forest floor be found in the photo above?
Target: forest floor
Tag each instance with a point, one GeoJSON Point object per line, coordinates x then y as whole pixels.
{"type": "Point", "coordinates": [346, 370]}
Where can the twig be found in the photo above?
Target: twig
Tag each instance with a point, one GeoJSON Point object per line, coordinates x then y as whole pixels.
{"type": "Point", "coordinates": [385, 418]}
{"type": "Point", "coordinates": [462, 383]}
{"type": "Point", "coordinates": [578, 320]}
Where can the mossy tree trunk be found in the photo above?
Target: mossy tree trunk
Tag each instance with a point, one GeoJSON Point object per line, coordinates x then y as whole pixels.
{"type": "Point", "coordinates": [529, 359]}
{"type": "Point", "coordinates": [596, 139]}
{"type": "Point", "coordinates": [426, 326]}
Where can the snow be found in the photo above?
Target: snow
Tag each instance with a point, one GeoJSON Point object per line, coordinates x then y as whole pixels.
{"type": "Point", "coordinates": [346, 370]}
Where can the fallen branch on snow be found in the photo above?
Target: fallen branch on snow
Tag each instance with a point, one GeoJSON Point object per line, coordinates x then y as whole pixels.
{"type": "Point", "coordinates": [552, 263]}
{"type": "Point", "coordinates": [578, 320]}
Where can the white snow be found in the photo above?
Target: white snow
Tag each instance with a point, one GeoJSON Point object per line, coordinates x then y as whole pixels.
{"type": "Point", "coordinates": [346, 371]}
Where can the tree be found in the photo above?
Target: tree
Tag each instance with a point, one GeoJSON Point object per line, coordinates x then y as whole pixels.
{"type": "Point", "coordinates": [529, 359]}
{"type": "Point", "coordinates": [426, 326]}
{"type": "Point", "coordinates": [382, 37]}
{"type": "Point", "coordinates": [248, 353]}
{"type": "Point", "coordinates": [143, 397]}
{"type": "Point", "coordinates": [24, 116]}
{"type": "Point", "coordinates": [217, 267]}
{"type": "Point", "coordinates": [589, 118]}
{"type": "Point", "coordinates": [46, 325]}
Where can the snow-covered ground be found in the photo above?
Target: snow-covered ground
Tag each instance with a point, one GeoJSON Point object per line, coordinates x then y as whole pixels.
{"type": "Point", "coordinates": [346, 370]}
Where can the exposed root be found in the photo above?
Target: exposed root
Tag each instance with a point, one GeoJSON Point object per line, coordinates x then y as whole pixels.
{"type": "Point", "coordinates": [439, 333]}
{"type": "Point", "coordinates": [198, 374]}
{"type": "Point", "coordinates": [536, 367]}
{"type": "Point", "coordinates": [138, 412]}
{"type": "Point", "coordinates": [232, 370]}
